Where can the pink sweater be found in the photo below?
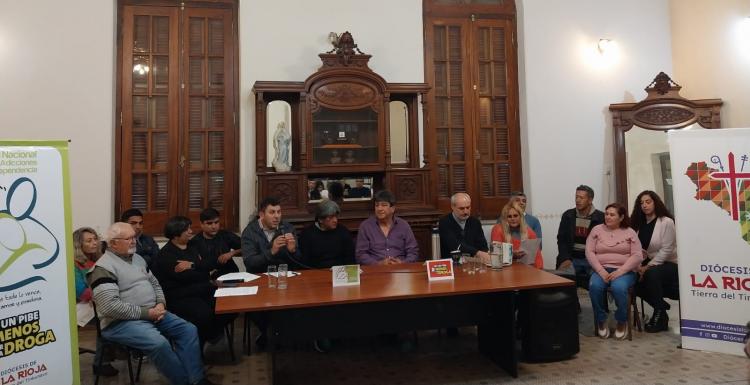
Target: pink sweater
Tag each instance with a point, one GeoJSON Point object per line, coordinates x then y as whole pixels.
{"type": "Point", "coordinates": [619, 248]}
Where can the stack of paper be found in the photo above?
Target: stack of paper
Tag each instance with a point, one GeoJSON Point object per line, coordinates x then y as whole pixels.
{"type": "Point", "coordinates": [232, 291]}
{"type": "Point", "coordinates": [238, 277]}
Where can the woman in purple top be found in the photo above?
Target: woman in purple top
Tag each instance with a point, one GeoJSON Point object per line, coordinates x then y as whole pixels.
{"type": "Point", "coordinates": [614, 253]}
{"type": "Point", "coordinates": [384, 239]}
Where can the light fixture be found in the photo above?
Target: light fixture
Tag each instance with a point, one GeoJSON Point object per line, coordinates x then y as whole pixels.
{"type": "Point", "coordinates": [604, 45]}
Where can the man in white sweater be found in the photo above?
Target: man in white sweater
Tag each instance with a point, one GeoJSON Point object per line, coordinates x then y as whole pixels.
{"type": "Point", "coordinates": [131, 309]}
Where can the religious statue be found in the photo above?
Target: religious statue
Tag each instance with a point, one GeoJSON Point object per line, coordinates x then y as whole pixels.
{"type": "Point", "coordinates": [282, 144]}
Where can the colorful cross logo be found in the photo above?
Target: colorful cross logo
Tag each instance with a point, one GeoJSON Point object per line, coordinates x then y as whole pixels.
{"type": "Point", "coordinates": [733, 179]}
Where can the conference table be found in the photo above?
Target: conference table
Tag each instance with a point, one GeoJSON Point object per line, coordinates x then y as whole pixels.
{"type": "Point", "coordinates": [396, 298]}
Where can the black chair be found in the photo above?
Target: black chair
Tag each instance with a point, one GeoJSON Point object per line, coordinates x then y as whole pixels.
{"type": "Point", "coordinates": [131, 352]}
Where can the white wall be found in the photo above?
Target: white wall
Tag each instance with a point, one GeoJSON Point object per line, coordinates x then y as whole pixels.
{"type": "Point", "coordinates": [56, 82]}
{"type": "Point", "coordinates": [281, 40]}
{"type": "Point", "coordinates": [566, 91]}
{"type": "Point", "coordinates": [711, 51]}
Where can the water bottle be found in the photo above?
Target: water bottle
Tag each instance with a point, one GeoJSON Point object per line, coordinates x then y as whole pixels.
{"type": "Point", "coordinates": [435, 243]}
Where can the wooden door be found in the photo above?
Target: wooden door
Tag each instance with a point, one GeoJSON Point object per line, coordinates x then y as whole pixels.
{"type": "Point", "coordinates": [472, 110]}
{"type": "Point", "coordinates": [177, 147]}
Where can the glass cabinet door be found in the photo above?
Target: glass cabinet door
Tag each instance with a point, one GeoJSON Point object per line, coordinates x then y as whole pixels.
{"type": "Point", "coordinates": [344, 137]}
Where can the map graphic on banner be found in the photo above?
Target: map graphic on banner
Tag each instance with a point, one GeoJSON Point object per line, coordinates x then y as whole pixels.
{"type": "Point", "coordinates": [38, 340]}
{"type": "Point", "coordinates": [727, 187]}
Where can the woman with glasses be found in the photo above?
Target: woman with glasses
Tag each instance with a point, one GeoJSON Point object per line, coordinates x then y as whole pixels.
{"type": "Point", "coordinates": [185, 278]}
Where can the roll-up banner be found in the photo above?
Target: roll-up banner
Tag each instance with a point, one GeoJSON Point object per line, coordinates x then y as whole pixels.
{"type": "Point", "coordinates": [711, 186]}
{"type": "Point", "coordinates": [38, 336]}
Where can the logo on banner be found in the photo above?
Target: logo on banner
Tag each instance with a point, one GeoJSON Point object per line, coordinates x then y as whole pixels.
{"type": "Point", "coordinates": [25, 239]}
{"type": "Point", "coordinates": [726, 186]}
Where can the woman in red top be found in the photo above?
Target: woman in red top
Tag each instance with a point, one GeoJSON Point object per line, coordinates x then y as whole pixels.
{"type": "Point", "coordinates": [87, 248]}
{"type": "Point", "coordinates": [513, 230]}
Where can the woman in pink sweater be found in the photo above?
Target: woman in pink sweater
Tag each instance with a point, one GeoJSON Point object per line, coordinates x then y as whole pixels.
{"type": "Point", "coordinates": [614, 253]}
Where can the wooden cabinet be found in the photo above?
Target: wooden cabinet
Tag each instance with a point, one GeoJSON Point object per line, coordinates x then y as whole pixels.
{"type": "Point", "coordinates": [341, 129]}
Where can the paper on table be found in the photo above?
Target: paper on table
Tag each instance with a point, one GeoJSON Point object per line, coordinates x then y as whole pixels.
{"type": "Point", "coordinates": [530, 246]}
{"type": "Point", "coordinates": [84, 313]}
{"type": "Point", "coordinates": [288, 273]}
{"type": "Point", "coordinates": [232, 291]}
{"type": "Point", "coordinates": [244, 276]}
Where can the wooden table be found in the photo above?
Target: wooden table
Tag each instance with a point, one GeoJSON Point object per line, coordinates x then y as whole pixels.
{"type": "Point", "coordinates": [397, 298]}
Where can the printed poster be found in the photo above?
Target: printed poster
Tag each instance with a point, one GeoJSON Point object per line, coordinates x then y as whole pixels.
{"type": "Point", "coordinates": [38, 336]}
{"type": "Point", "coordinates": [711, 186]}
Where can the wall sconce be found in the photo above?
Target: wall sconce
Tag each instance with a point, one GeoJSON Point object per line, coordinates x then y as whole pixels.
{"type": "Point", "coordinates": [604, 46]}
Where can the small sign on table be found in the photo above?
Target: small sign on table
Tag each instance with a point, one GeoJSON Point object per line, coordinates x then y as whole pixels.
{"type": "Point", "coordinates": [439, 269]}
{"type": "Point", "coordinates": [345, 275]}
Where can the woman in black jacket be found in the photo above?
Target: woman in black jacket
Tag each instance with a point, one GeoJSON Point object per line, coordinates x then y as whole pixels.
{"type": "Point", "coordinates": [185, 278]}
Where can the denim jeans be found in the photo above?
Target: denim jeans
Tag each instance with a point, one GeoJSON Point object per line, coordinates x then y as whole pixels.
{"type": "Point", "coordinates": [619, 288]}
{"type": "Point", "coordinates": [581, 266]}
{"type": "Point", "coordinates": [182, 365]}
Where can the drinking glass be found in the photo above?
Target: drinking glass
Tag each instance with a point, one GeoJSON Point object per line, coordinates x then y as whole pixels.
{"type": "Point", "coordinates": [467, 263]}
{"type": "Point", "coordinates": [283, 268]}
{"type": "Point", "coordinates": [271, 275]}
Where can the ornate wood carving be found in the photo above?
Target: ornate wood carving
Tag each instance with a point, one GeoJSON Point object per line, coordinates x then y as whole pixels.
{"type": "Point", "coordinates": [663, 109]}
{"type": "Point", "coordinates": [345, 94]}
{"type": "Point", "coordinates": [664, 116]}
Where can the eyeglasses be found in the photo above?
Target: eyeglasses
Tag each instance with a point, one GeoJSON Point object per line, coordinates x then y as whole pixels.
{"type": "Point", "coordinates": [129, 239]}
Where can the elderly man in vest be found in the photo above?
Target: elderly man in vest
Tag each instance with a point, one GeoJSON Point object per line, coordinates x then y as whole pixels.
{"type": "Point", "coordinates": [130, 306]}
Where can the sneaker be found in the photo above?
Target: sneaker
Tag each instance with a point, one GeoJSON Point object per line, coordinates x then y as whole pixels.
{"type": "Point", "coordinates": [602, 330]}
{"type": "Point", "coordinates": [621, 331]}
{"type": "Point", "coordinates": [105, 370]}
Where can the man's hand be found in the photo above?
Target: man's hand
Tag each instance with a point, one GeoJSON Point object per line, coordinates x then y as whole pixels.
{"type": "Point", "coordinates": [224, 258]}
{"type": "Point", "coordinates": [484, 256]}
{"type": "Point", "coordinates": [565, 265]}
{"type": "Point", "coordinates": [277, 244]}
{"type": "Point", "coordinates": [157, 312]}
{"type": "Point", "coordinates": [182, 266]}
{"type": "Point", "coordinates": [291, 243]}
{"type": "Point", "coordinates": [391, 260]}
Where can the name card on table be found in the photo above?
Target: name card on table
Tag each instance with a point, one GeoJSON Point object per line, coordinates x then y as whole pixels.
{"type": "Point", "coordinates": [439, 269]}
{"type": "Point", "coordinates": [345, 275]}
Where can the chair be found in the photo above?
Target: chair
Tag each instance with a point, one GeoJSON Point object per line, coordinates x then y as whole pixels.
{"type": "Point", "coordinates": [229, 332]}
{"type": "Point", "coordinates": [129, 350]}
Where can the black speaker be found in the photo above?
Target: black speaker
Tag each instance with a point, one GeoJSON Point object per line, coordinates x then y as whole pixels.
{"type": "Point", "coordinates": [549, 324]}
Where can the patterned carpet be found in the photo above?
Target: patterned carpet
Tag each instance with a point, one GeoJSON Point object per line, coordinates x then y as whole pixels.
{"type": "Point", "coordinates": [652, 359]}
